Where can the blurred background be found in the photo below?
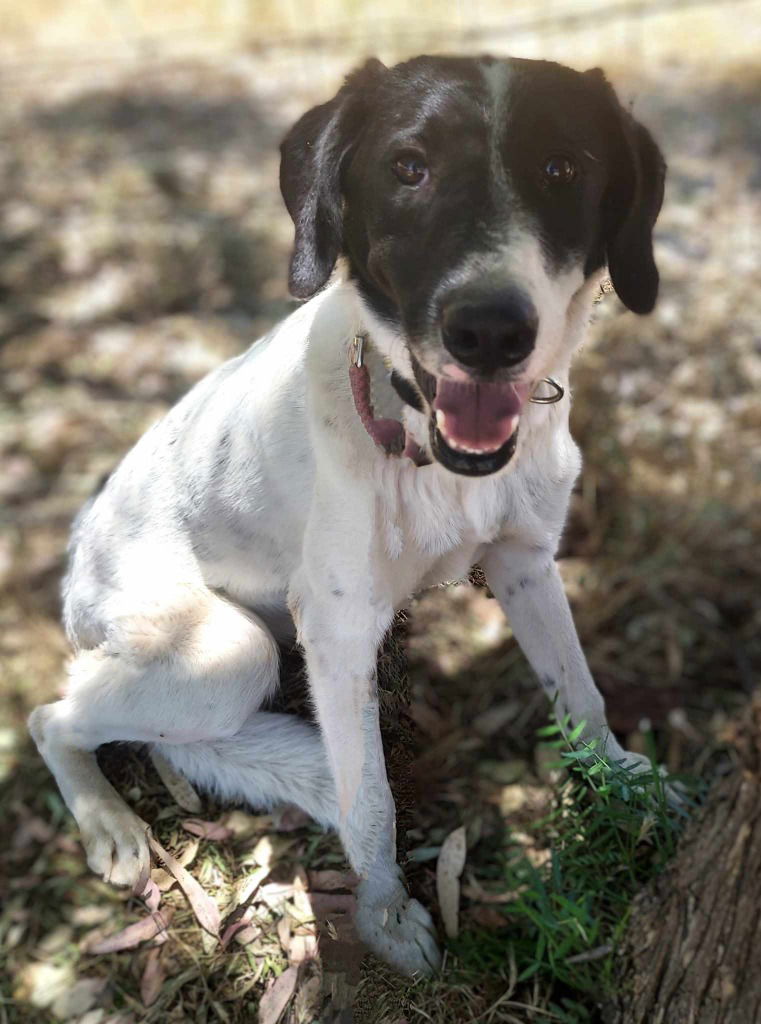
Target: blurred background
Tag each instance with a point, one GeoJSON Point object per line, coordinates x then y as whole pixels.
{"type": "Point", "coordinates": [143, 240]}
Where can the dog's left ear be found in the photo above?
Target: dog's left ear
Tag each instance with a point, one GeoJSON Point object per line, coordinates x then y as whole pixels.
{"type": "Point", "coordinates": [312, 157]}
{"type": "Point", "coordinates": [632, 203]}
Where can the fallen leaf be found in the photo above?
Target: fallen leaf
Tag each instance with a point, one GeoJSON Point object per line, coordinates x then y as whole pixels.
{"type": "Point", "coordinates": [420, 854]}
{"type": "Point", "coordinates": [207, 829]}
{"type": "Point", "coordinates": [243, 825]}
{"type": "Point", "coordinates": [486, 917]}
{"type": "Point", "coordinates": [290, 819]}
{"type": "Point", "coordinates": [448, 870]}
{"type": "Point", "coordinates": [164, 879]}
{"type": "Point", "coordinates": [83, 995]}
{"type": "Point", "coordinates": [235, 923]}
{"type": "Point", "coordinates": [42, 983]}
{"type": "Point", "coordinates": [153, 978]}
{"type": "Point", "coordinates": [269, 850]}
{"type": "Point", "coordinates": [590, 955]}
{"type": "Point", "coordinates": [284, 933]}
{"type": "Point", "coordinates": [89, 916]}
{"type": "Point", "coordinates": [275, 894]}
{"type": "Point", "coordinates": [325, 903]}
{"type": "Point", "coordinates": [301, 907]}
{"type": "Point", "coordinates": [151, 895]}
{"type": "Point", "coordinates": [247, 935]}
{"type": "Point", "coordinates": [476, 892]}
{"type": "Point", "coordinates": [302, 945]}
{"type": "Point", "coordinates": [496, 718]}
{"type": "Point", "coordinates": [329, 880]}
{"type": "Point", "coordinates": [277, 996]}
{"type": "Point", "coordinates": [504, 772]}
{"type": "Point", "coordinates": [179, 788]}
{"type": "Point", "coordinates": [246, 886]}
{"type": "Point", "coordinates": [32, 830]}
{"type": "Point", "coordinates": [205, 909]}
{"type": "Point", "coordinates": [131, 936]}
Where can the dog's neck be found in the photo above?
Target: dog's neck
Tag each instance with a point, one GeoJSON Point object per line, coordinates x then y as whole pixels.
{"type": "Point", "coordinates": [389, 434]}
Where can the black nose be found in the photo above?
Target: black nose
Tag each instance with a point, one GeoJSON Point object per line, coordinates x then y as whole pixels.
{"type": "Point", "coordinates": [488, 333]}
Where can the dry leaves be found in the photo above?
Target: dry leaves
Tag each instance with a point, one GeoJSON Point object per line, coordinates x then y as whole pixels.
{"type": "Point", "coordinates": [207, 829]}
{"type": "Point", "coordinates": [153, 978]}
{"type": "Point", "coordinates": [277, 996]}
{"type": "Point", "coordinates": [448, 870]}
{"type": "Point", "coordinates": [183, 793]}
{"type": "Point", "coordinates": [205, 909]}
{"type": "Point", "coordinates": [332, 881]}
{"type": "Point", "coordinates": [164, 879]}
{"type": "Point", "coordinates": [131, 936]}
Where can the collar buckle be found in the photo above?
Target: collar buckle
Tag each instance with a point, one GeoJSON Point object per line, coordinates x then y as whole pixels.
{"type": "Point", "coordinates": [357, 351]}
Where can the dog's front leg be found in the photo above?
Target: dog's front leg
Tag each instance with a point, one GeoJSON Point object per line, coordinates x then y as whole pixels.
{"type": "Point", "coordinates": [340, 631]}
{"type": "Point", "coordinates": [525, 580]}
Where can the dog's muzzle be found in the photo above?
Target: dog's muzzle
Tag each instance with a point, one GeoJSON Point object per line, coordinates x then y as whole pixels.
{"type": "Point", "coordinates": [473, 424]}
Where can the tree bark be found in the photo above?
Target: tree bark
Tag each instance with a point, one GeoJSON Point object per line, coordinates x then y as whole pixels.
{"type": "Point", "coordinates": [692, 952]}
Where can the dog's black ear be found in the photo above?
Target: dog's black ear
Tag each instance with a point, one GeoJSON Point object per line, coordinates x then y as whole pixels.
{"type": "Point", "coordinates": [312, 156]}
{"type": "Point", "coordinates": [632, 203]}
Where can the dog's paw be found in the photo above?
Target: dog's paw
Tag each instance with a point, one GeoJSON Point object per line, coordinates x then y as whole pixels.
{"type": "Point", "coordinates": [116, 845]}
{"type": "Point", "coordinates": [398, 930]}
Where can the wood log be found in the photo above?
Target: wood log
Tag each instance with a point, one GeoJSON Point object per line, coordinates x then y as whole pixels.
{"type": "Point", "coordinates": [692, 951]}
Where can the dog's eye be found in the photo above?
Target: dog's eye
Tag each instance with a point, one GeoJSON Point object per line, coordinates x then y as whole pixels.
{"type": "Point", "coordinates": [559, 170]}
{"type": "Point", "coordinates": [410, 168]}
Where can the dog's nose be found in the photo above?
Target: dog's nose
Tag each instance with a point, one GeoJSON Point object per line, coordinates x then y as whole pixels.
{"type": "Point", "coordinates": [488, 333]}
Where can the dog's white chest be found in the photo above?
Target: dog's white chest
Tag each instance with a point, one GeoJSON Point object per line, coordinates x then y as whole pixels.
{"type": "Point", "coordinates": [431, 524]}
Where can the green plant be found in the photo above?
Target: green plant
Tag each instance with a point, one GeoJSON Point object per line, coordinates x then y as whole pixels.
{"type": "Point", "coordinates": [609, 832]}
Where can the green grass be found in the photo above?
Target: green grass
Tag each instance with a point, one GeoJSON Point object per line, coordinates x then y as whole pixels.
{"type": "Point", "coordinates": [609, 832]}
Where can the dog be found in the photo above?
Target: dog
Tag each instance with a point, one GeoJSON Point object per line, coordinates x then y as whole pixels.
{"type": "Point", "coordinates": [453, 218]}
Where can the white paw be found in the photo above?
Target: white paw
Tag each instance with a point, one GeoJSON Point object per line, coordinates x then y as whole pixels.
{"type": "Point", "coordinates": [398, 930]}
{"type": "Point", "coordinates": [116, 844]}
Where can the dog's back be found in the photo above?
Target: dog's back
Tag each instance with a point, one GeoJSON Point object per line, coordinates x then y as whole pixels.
{"type": "Point", "coordinates": [200, 498]}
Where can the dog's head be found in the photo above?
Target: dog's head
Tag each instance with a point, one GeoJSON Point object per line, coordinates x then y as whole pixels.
{"type": "Point", "coordinates": [472, 199]}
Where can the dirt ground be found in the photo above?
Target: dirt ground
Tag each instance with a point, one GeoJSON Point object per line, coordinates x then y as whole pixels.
{"type": "Point", "coordinates": [142, 241]}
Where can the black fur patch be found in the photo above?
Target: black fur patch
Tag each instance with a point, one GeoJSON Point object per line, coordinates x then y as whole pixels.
{"type": "Point", "coordinates": [406, 391]}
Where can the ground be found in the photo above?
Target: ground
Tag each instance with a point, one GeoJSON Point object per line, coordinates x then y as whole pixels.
{"type": "Point", "coordinates": [141, 242]}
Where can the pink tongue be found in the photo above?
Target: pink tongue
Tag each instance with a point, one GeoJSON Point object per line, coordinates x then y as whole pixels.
{"type": "Point", "coordinates": [479, 415]}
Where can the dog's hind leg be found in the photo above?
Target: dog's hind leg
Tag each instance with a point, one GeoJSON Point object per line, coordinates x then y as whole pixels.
{"type": "Point", "coordinates": [192, 671]}
{"type": "Point", "coordinates": [272, 759]}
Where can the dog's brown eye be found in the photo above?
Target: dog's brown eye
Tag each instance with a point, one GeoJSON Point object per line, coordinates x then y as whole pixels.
{"type": "Point", "coordinates": [410, 169]}
{"type": "Point", "coordinates": [559, 170]}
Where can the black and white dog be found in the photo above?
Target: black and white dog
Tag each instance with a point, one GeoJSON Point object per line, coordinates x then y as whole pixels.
{"type": "Point", "coordinates": [472, 206]}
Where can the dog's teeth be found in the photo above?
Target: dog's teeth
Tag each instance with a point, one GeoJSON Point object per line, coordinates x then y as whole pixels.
{"type": "Point", "coordinates": [441, 423]}
{"type": "Point", "coordinates": [468, 450]}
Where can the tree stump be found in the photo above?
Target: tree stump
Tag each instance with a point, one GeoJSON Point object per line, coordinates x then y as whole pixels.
{"type": "Point", "coordinates": [693, 947]}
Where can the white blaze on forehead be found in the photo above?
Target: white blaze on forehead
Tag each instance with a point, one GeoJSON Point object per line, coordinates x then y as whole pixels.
{"type": "Point", "coordinates": [497, 76]}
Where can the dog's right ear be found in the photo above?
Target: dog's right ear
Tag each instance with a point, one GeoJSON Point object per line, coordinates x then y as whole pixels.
{"type": "Point", "coordinates": [312, 156]}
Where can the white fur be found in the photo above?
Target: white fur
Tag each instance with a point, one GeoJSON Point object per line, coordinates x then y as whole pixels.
{"type": "Point", "coordinates": [259, 499]}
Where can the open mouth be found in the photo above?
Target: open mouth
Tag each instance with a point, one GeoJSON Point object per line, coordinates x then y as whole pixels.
{"type": "Point", "coordinates": [474, 424]}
